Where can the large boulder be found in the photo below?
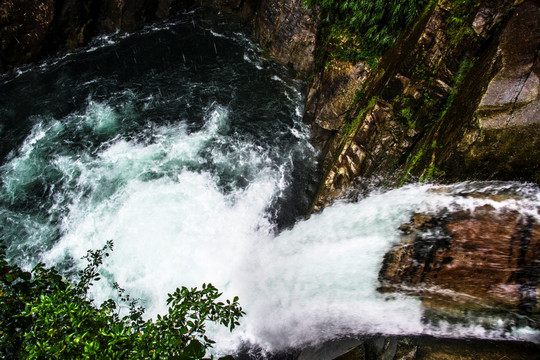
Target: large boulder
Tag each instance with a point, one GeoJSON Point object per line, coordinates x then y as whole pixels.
{"type": "Point", "coordinates": [475, 258]}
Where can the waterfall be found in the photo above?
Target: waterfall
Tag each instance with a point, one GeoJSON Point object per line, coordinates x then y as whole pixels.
{"type": "Point", "coordinates": [184, 146]}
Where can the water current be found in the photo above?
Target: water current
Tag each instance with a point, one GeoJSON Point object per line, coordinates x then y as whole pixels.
{"type": "Point", "coordinates": [186, 147]}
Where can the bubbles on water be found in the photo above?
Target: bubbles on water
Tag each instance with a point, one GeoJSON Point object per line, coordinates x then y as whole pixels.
{"type": "Point", "coordinates": [101, 118]}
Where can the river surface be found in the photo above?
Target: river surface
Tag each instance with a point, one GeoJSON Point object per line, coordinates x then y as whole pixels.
{"type": "Point", "coordinates": [186, 147]}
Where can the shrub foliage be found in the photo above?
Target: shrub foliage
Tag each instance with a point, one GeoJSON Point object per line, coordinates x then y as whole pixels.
{"type": "Point", "coordinates": [44, 316]}
{"type": "Point", "coordinates": [364, 29]}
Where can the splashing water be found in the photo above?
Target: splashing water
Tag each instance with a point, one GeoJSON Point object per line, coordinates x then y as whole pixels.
{"type": "Point", "coordinates": [194, 161]}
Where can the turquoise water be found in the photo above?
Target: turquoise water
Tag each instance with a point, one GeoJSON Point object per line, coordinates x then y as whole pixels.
{"type": "Point", "coordinates": [186, 147]}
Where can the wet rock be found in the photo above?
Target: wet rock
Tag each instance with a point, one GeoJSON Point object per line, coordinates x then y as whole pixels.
{"type": "Point", "coordinates": [516, 83]}
{"type": "Point", "coordinates": [365, 348]}
{"type": "Point", "coordinates": [243, 10]}
{"type": "Point", "coordinates": [332, 93]}
{"type": "Point", "coordinates": [378, 347]}
{"type": "Point", "coordinates": [509, 110]}
{"type": "Point", "coordinates": [288, 32]}
{"type": "Point", "coordinates": [469, 259]}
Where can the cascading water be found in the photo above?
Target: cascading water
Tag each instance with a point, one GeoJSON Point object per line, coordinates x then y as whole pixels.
{"type": "Point", "coordinates": [186, 148]}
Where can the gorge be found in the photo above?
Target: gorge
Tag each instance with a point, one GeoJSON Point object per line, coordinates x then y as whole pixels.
{"type": "Point", "coordinates": [185, 143]}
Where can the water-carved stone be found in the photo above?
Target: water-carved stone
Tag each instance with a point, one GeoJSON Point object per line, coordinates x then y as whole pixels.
{"type": "Point", "coordinates": [469, 259]}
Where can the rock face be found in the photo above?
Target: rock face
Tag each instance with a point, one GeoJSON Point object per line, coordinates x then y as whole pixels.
{"type": "Point", "coordinates": [32, 29]}
{"type": "Point", "coordinates": [479, 259]}
{"type": "Point", "coordinates": [243, 10]}
{"type": "Point", "coordinates": [453, 99]}
{"type": "Point", "coordinates": [509, 111]}
{"type": "Point", "coordinates": [288, 31]}
{"type": "Point", "coordinates": [420, 348]}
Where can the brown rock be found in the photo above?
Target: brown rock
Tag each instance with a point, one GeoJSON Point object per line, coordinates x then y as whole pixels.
{"type": "Point", "coordinates": [24, 26]}
{"type": "Point", "coordinates": [288, 31]}
{"type": "Point", "coordinates": [421, 348]}
{"type": "Point", "coordinates": [332, 92]}
{"type": "Point", "coordinates": [481, 259]}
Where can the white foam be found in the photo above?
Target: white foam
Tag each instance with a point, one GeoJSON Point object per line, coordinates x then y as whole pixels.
{"type": "Point", "coordinates": [173, 226]}
{"type": "Point", "coordinates": [308, 284]}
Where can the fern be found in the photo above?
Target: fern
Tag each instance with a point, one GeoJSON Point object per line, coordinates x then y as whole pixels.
{"type": "Point", "coordinates": [364, 29]}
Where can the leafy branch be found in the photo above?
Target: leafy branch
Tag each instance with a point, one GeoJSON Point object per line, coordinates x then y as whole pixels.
{"type": "Point", "coordinates": [44, 316]}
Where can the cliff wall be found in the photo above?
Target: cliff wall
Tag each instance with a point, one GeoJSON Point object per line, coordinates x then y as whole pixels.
{"type": "Point", "coordinates": [456, 98]}
{"type": "Point", "coordinates": [32, 29]}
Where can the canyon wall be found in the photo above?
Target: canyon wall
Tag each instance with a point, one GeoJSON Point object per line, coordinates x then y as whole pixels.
{"type": "Point", "coordinates": [456, 98]}
{"type": "Point", "coordinates": [30, 30]}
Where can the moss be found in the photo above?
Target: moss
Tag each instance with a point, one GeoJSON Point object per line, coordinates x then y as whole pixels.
{"type": "Point", "coordinates": [359, 95]}
{"type": "Point", "coordinates": [459, 23]}
{"type": "Point", "coordinates": [407, 114]}
{"type": "Point", "coordinates": [432, 172]}
{"type": "Point", "coordinates": [351, 127]}
{"type": "Point", "coordinates": [411, 162]}
{"type": "Point", "coordinates": [464, 67]}
{"type": "Point", "coordinates": [347, 133]}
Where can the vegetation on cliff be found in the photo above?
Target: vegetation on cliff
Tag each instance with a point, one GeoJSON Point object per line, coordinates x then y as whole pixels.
{"type": "Point", "coordinates": [363, 29]}
{"type": "Point", "coordinates": [45, 316]}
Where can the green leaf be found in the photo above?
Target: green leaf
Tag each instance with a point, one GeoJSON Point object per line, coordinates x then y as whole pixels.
{"type": "Point", "coordinates": [228, 357]}
{"type": "Point", "coordinates": [195, 349]}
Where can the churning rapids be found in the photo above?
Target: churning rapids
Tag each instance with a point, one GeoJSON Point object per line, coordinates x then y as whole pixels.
{"type": "Point", "coordinates": [184, 146]}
